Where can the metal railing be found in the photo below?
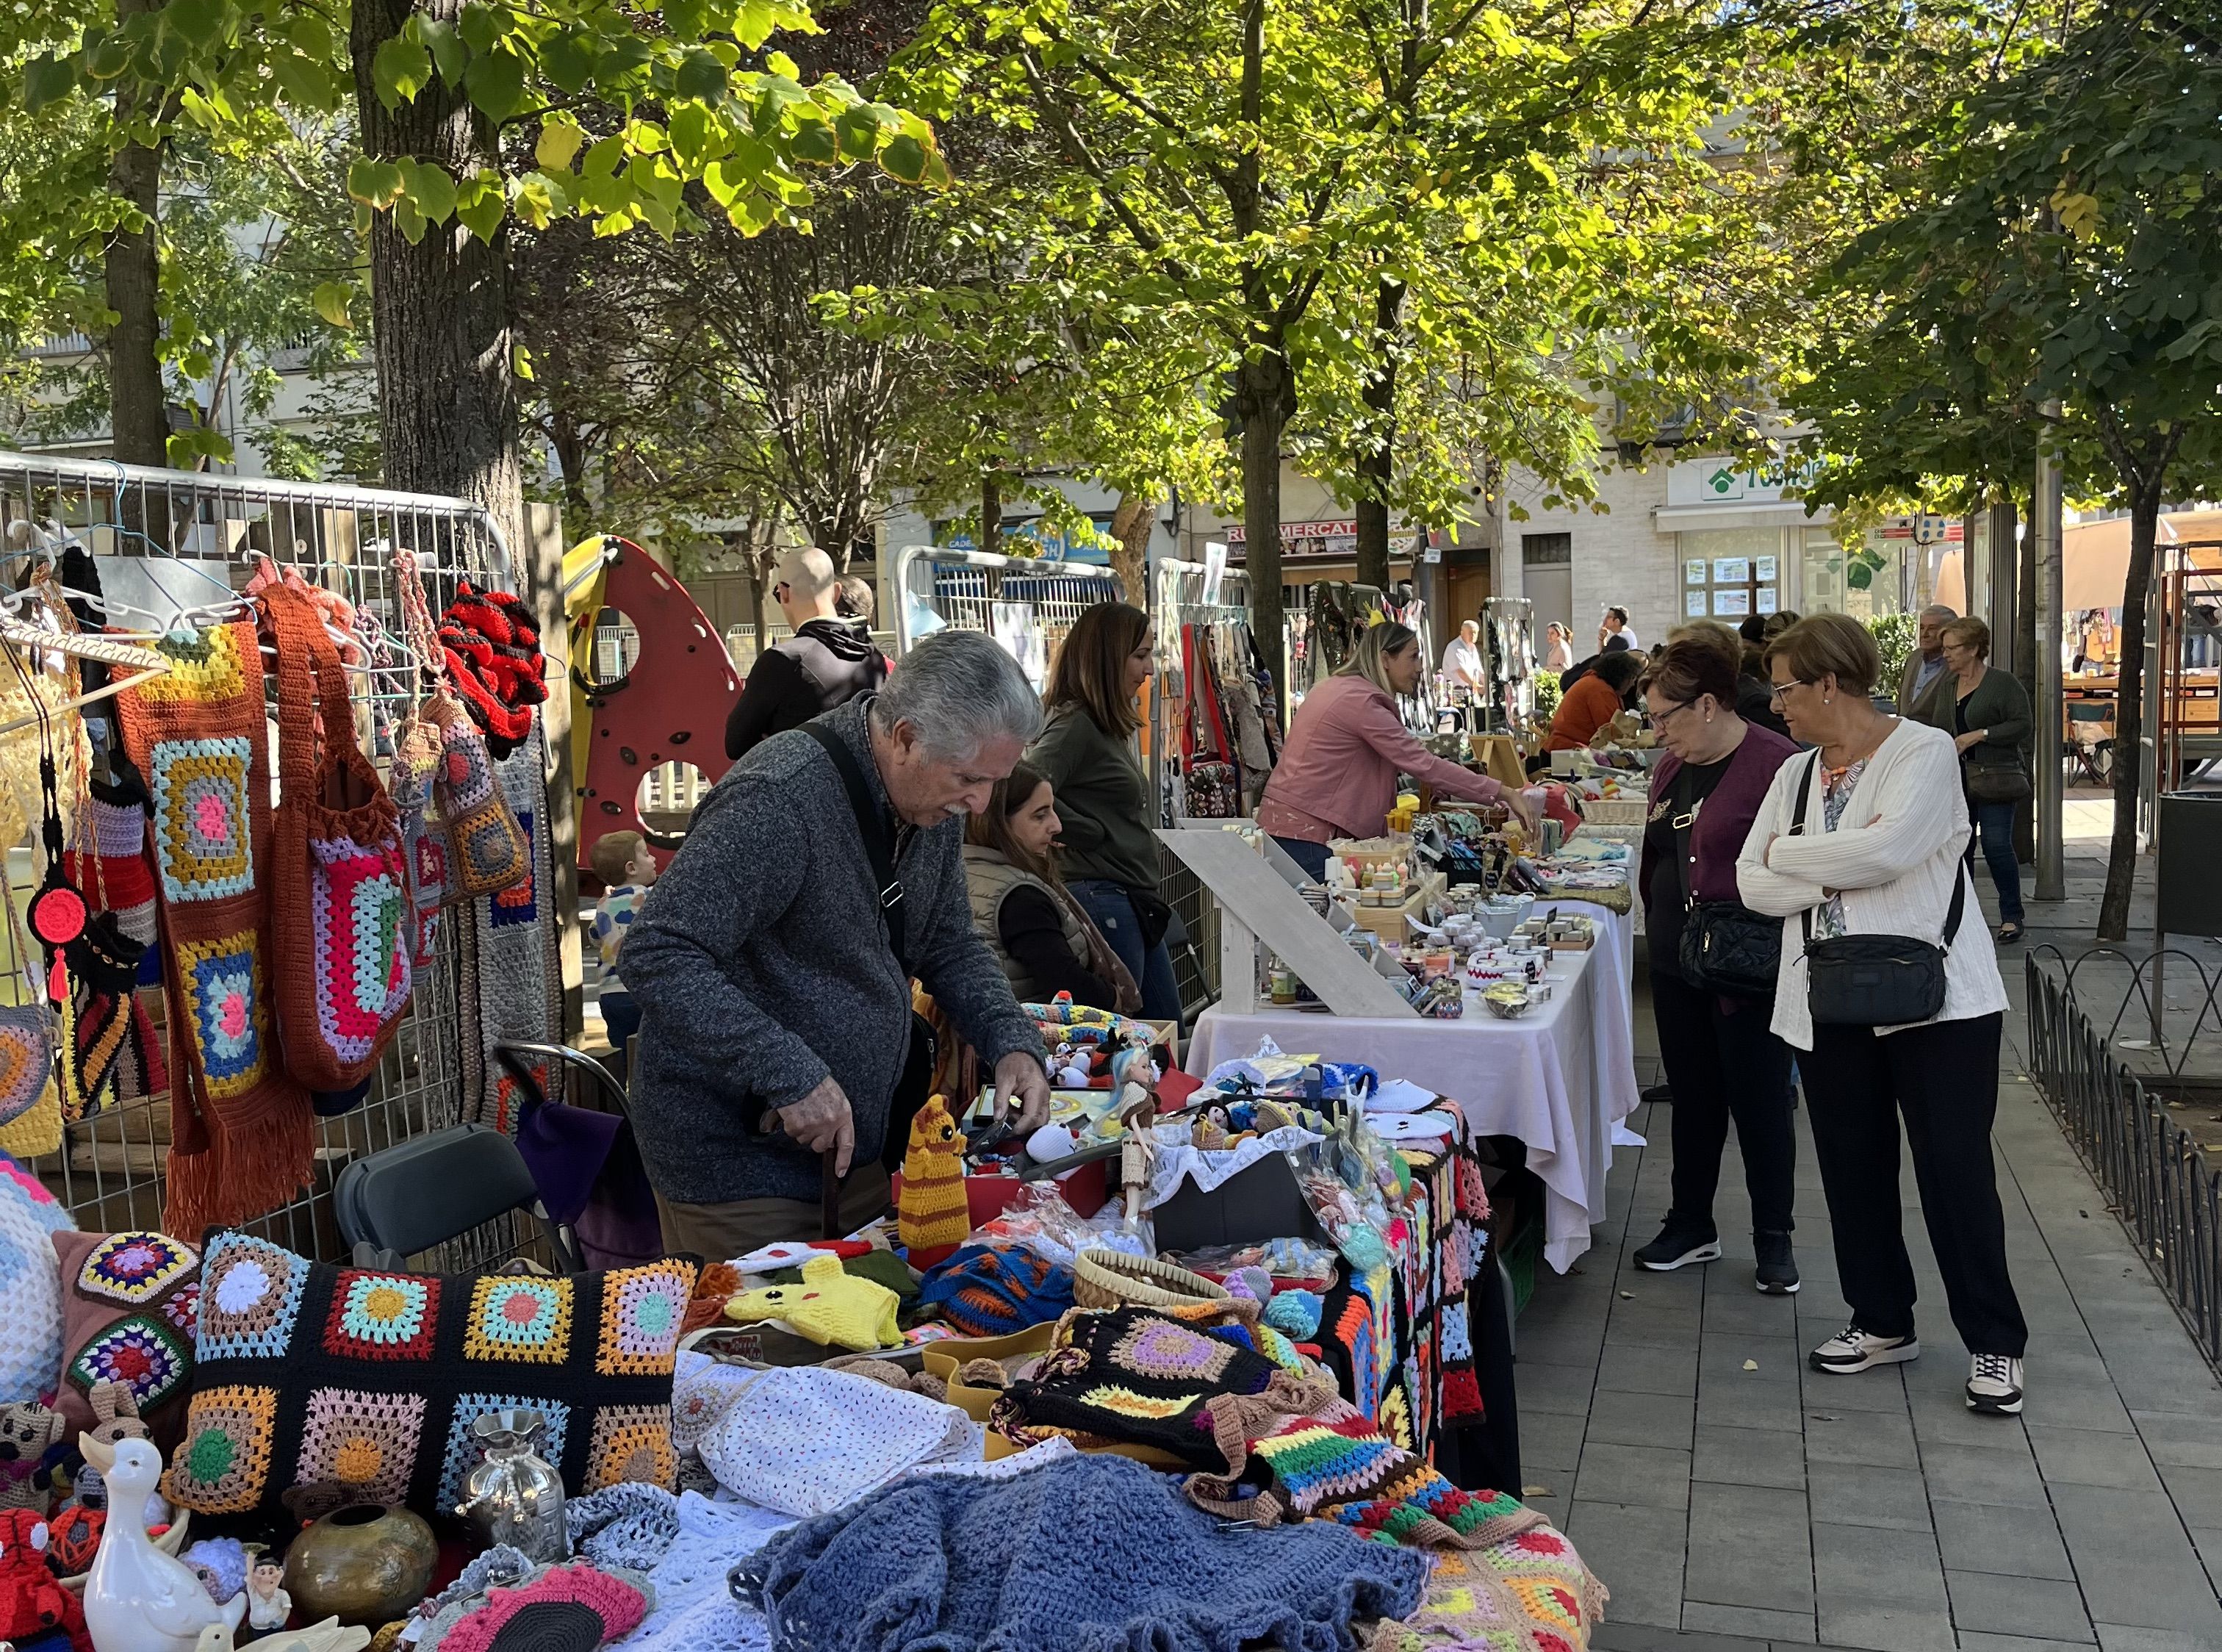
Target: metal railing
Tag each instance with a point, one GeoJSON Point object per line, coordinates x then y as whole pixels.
{"type": "Point", "coordinates": [2155, 1174]}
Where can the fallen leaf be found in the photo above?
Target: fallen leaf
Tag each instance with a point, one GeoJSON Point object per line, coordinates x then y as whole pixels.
{"type": "Point", "coordinates": [1628, 1296]}
{"type": "Point", "coordinates": [1535, 1491]}
{"type": "Point", "coordinates": [1751, 1365]}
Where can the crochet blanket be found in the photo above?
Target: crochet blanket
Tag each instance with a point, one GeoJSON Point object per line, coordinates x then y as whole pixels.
{"type": "Point", "coordinates": [1094, 1555]}
{"type": "Point", "coordinates": [1528, 1593]}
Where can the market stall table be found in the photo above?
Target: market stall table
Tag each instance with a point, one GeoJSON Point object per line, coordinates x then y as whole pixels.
{"type": "Point", "coordinates": [1561, 1078]}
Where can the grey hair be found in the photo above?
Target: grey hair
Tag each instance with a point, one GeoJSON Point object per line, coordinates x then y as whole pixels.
{"type": "Point", "coordinates": [1938, 611]}
{"type": "Point", "coordinates": [959, 690]}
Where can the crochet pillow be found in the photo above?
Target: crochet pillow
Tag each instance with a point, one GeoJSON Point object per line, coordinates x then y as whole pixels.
{"type": "Point", "coordinates": [30, 1286]}
{"type": "Point", "coordinates": [306, 1374]}
{"type": "Point", "coordinates": [128, 1305]}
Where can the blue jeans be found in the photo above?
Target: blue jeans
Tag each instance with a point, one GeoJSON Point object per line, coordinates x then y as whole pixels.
{"type": "Point", "coordinates": [1993, 832]}
{"type": "Point", "coordinates": [622, 1016]}
{"type": "Point", "coordinates": [1112, 910]}
{"type": "Point", "coordinates": [1311, 856]}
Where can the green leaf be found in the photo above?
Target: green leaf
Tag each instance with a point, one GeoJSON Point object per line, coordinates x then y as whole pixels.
{"type": "Point", "coordinates": [431, 191]}
{"type": "Point", "coordinates": [495, 83]}
{"type": "Point", "coordinates": [399, 69]}
{"type": "Point", "coordinates": [408, 220]}
{"type": "Point", "coordinates": [482, 206]}
{"type": "Point", "coordinates": [446, 44]}
{"type": "Point", "coordinates": [755, 22]}
{"type": "Point", "coordinates": [521, 362]}
{"type": "Point", "coordinates": [560, 139]}
{"type": "Point", "coordinates": [330, 300]}
{"type": "Point", "coordinates": [109, 58]}
{"type": "Point", "coordinates": [813, 143]}
{"type": "Point", "coordinates": [602, 157]}
{"type": "Point", "coordinates": [47, 79]}
{"type": "Point", "coordinates": [307, 81]}
{"type": "Point", "coordinates": [483, 27]}
{"type": "Point", "coordinates": [374, 183]}
{"type": "Point", "coordinates": [627, 57]}
{"type": "Point", "coordinates": [905, 161]}
{"type": "Point", "coordinates": [567, 58]}
{"type": "Point", "coordinates": [690, 133]}
{"type": "Point", "coordinates": [701, 75]}
{"type": "Point", "coordinates": [688, 19]}
{"type": "Point", "coordinates": [859, 129]}
{"type": "Point", "coordinates": [198, 22]}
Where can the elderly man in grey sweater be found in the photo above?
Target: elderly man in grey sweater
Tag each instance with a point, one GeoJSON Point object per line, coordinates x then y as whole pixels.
{"type": "Point", "coordinates": [776, 1019]}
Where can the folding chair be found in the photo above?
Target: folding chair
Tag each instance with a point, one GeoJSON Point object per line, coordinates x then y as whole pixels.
{"type": "Point", "coordinates": [418, 1195]}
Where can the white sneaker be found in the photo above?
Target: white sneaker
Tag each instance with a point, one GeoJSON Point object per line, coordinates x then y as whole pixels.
{"type": "Point", "coordinates": [1994, 1385]}
{"type": "Point", "coordinates": [1853, 1349]}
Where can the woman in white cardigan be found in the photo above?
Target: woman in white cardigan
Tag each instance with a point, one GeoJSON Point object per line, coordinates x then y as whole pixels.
{"type": "Point", "coordinates": [1884, 828]}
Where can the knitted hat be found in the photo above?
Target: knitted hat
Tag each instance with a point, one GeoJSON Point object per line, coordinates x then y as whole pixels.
{"type": "Point", "coordinates": [829, 1306]}
{"type": "Point", "coordinates": [983, 1292]}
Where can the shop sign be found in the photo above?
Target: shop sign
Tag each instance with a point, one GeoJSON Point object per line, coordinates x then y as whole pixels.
{"type": "Point", "coordinates": [1319, 541]}
{"type": "Point", "coordinates": [1736, 481]}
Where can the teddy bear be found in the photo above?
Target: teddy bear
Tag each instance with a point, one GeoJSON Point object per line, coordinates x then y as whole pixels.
{"type": "Point", "coordinates": [116, 1410]}
{"type": "Point", "coordinates": [27, 1430]}
{"type": "Point", "coordinates": [31, 1600]}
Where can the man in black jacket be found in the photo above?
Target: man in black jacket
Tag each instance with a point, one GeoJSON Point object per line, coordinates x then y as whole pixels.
{"type": "Point", "coordinates": [827, 662]}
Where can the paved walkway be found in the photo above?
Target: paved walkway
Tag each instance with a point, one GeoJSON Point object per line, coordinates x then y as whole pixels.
{"type": "Point", "coordinates": [1731, 1498]}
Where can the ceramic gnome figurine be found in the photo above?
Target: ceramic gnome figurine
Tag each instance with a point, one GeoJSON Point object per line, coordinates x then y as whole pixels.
{"type": "Point", "coordinates": [268, 1605]}
{"type": "Point", "coordinates": [931, 1216]}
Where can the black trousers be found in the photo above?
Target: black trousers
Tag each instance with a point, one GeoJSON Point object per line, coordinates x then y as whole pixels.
{"type": "Point", "coordinates": [1944, 1078]}
{"type": "Point", "coordinates": [1722, 1065]}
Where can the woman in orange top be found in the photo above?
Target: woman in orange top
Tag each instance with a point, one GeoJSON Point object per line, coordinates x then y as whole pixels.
{"type": "Point", "coordinates": [1594, 701]}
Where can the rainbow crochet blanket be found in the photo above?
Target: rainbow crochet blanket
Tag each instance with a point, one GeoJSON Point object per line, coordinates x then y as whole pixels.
{"type": "Point", "coordinates": [1528, 1593]}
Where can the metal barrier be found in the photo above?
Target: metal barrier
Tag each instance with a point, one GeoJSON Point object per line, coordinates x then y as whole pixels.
{"type": "Point", "coordinates": [2155, 1176]}
{"type": "Point", "coordinates": [966, 589]}
{"type": "Point", "coordinates": [193, 536]}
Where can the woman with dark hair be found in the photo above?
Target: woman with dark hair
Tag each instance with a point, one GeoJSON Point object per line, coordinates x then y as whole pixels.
{"type": "Point", "coordinates": [1037, 931]}
{"type": "Point", "coordinates": [1596, 698]}
{"type": "Point", "coordinates": [1087, 752]}
{"type": "Point", "coordinates": [1724, 1061]}
{"type": "Point", "coordinates": [1865, 836]}
{"type": "Point", "coordinates": [1337, 776]}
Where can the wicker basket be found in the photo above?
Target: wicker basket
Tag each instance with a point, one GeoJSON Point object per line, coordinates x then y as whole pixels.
{"type": "Point", "coordinates": [1615, 811]}
{"type": "Point", "coordinates": [1113, 1279]}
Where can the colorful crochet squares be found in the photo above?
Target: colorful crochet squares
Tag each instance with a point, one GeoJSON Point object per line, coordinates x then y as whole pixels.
{"type": "Point", "coordinates": [203, 849]}
{"type": "Point", "coordinates": [1161, 1348]}
{"type": "Point", "coordinates": [383, 1316]}
{"type": "Point", "coordinates": [368, 1441]}
{"type": "Point", "coordinates": [520, 1319]}
{"type": "Point", "coordinates": [520, 902]}
{"type": "Point", "coordinates": [631, 1442]}
{"type": "Point", "coordinates": [134, 1267]}
{"type": "Point", "coordinates": [463, 1451]}
{"type": "Point", "coordinates": [360, 903]}
{"type": "Point", "coordinates": [224, 995]}
{"type": "Point", "coordinates": [375, 1376]}
{"type": "Point", "coordinates": [642, 1308]}
{"type": "Point", "coordinates": [250, 1298]}
{"type": "Point", "coordinates": [203, 666]}
{"type": "Point", "coordinates": [493, 845]}
{"type": "Point", "coordinates": [141, 1351]}
{"type": "Point", "coordinates": [222, 1464]}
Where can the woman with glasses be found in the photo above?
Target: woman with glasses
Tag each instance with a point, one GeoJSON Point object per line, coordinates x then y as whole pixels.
{"type": "Point", "coordinates": [1991, 718]}
{"type": "Point", "coordinates": [1723, 1059]}
{"type": "Point", "coordinates": [1865, 836]}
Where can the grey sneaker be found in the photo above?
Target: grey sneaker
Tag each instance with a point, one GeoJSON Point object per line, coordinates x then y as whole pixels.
{"type": "Point", "coordinates": [1994, 1385]}
{"type": "Point", "coordinates": [1777, 1273]}
{"type": "Point", "coordinates": [1853, 1349]}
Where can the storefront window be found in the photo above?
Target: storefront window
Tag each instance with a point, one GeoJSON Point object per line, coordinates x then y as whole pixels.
{"type": "Point", "coordinates": [1864, 583]}
{"type": "Point", "coordinates": [1729, 574]}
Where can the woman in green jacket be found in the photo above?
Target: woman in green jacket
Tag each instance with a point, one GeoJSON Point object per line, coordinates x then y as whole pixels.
{"type": "Point", "coordinates": [1990, 722]}
{"type": "Point", "coordinates": [1087, 752]}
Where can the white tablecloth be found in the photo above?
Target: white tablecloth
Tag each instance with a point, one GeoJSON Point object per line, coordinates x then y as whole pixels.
{"type": "Point", "coordinates": [1561, 1078]}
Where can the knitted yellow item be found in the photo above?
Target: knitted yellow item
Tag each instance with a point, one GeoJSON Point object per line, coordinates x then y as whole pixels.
{"type": "Point", "coordinates": [829, 1305]}
{"type": "Point", "coordinates": [931, 1212]}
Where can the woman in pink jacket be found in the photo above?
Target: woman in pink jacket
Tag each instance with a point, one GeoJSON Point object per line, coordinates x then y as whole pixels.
{"type": "Point", "coordinates": [1337, 776]}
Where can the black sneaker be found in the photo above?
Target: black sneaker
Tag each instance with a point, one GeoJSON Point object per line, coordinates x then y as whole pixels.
{"type": "Point", "coordinates": [1854, 1349]}
{"type": "Point", "coordinates": [1777, 1274]}
{"type": "Point", "coordinates": [1680, 1243]}
{"type": "Point", "coordinates": [1656, 1096]}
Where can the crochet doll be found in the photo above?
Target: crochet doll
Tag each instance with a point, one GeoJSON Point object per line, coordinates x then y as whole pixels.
{"type": "Point", "coordinates": [31, 1601]}
{"type": "Point", "coordinates": [932, 1214]}
{"type": "Point", "coordinates": [27, 1429]}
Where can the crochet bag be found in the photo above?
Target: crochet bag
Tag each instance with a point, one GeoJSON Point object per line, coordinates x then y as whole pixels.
{"type": "Point", "coordinates": [306, 1374]}
{"type": "Point", "coordinates": [340, 884]}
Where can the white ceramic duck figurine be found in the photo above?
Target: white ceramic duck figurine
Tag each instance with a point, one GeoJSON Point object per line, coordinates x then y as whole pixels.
{"type": "Point", "coordinates": [137, 1599]}
{"type": "Point", "coordinates": [330, 1636]}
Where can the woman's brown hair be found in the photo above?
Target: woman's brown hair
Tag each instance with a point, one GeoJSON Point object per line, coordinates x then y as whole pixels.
{"type": "Point", "coordinates": [1091, 666]}
{"type": "Point", "coordinates": [1699, 659]}
{"type": "Point", "coordinates": [1824, 645]}
{"type": "Point", "coordinates": [991, 827]}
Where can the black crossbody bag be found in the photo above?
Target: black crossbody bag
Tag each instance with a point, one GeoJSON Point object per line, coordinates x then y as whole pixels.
{"type": "Point", "coordinates": [1726, 947]}
{"type": "Point", "coordinates": [1874, 980]}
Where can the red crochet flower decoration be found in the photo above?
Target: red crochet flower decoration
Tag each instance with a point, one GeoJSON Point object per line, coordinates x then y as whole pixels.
{"type": "Point", "coordinates": [493, 654]}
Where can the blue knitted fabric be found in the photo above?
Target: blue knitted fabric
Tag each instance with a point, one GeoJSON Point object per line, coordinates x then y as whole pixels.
{"type": "Point", "coordinates": [1093, 1554]}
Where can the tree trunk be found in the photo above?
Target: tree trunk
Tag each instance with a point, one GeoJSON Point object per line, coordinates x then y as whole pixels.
{"type": "Point", "coordinates": [572, 457]}
{"type": "Point", "coordinates": [1377, 458]}
{"type": "Point", "coordinates": [139, 413]}
{"type": "Point", "coordinates": [447, 385]}
{"type": "Point", "coordinates": [990, 536]}
{"type": "Point", "coordinates": [1266, 394]}
{"type": "Point", "coordinates": [1130, 526]}
{"type": "Point", "coordinates": [755, 567]}
{"type": "Point", "coordinates": [2129, 707]}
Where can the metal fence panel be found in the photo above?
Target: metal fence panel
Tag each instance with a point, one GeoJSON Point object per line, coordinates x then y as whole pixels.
{"type": "Point", "coordinates": [109, 1171]}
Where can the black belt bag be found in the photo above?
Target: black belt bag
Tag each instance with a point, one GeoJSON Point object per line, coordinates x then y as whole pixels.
{"type": "Point", "coordinates": [1726, 947]}
{"type": "Point", "coordinates": [1875, 980]}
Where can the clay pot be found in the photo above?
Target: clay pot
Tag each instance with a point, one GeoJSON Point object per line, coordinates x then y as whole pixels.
{"type": "Point", "coordinates": [364, 1564]}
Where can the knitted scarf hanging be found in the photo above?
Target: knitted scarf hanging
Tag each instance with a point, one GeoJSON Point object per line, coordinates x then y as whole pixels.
{"type": "Point", "coordinates": [513, 982]}
{"type": "Point", "coordinates": [242, 1136]}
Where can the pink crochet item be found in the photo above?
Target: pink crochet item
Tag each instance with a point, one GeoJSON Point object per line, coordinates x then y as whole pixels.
{"type": "Point", "coordinates": [617, 1604]}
